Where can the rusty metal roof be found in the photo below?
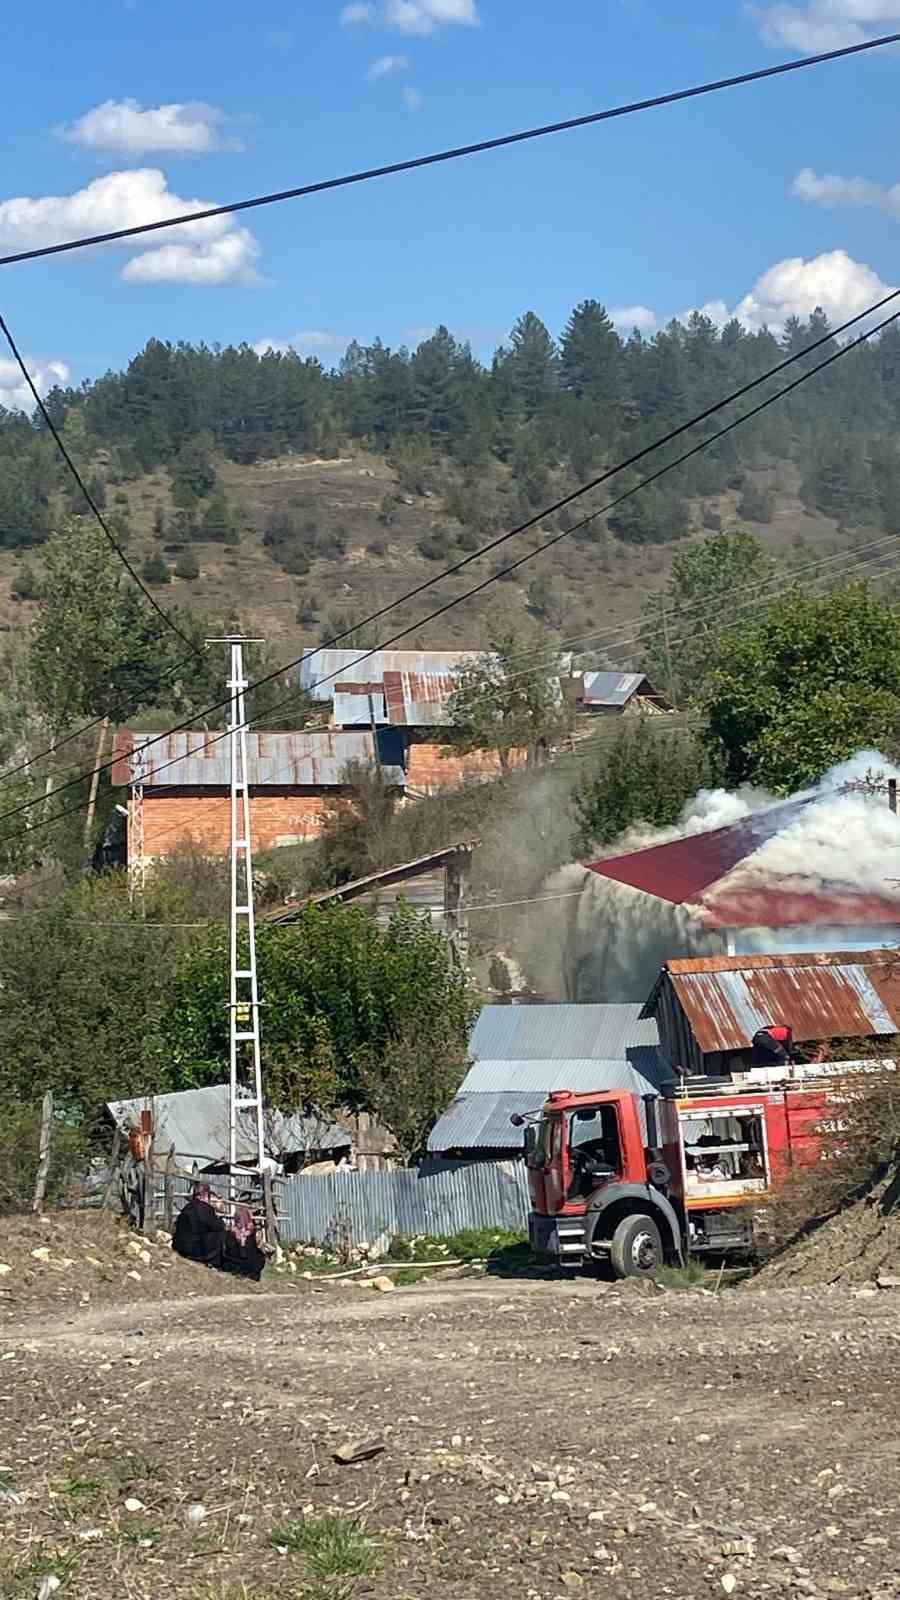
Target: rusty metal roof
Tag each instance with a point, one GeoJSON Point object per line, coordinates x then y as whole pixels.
{"type": "Point", "coordinates": [418, 699]}
{"type": "Point", "coordinates": [826, 995]}
{"type": "Point", "coordinates": [320, 668]}
{"type": "Point", "coordinates": [315, 758]}
{"type": "Point", "coordinates": [401, 700]}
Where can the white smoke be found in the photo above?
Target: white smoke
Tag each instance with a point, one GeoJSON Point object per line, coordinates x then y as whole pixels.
{"type": "Point", "coordinates": [607, 941]}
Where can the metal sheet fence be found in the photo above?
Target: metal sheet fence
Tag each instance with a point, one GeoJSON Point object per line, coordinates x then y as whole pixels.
{"type": "Point", "coordinates": [350, 1208]}
{"type": "Point", "coordinates": [360, 1206]}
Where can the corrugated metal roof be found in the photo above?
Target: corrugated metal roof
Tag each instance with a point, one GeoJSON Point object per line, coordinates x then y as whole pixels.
{"type": "Point", "coordinates": [492, 1090]}
{"type": "Point", "coordinates": [319, 669]}
{"type": "Point", "coordinates": [417, 699]}
{"type": "Point", "coordinates": [481, 1122]}
{"type": "Point", "coordinates": [352, 705]}
{"type": "Point", "coordinates": [780, 904]}
{"type": "Point", "coordinates": [682, 870]}
{"type": "Point", "coordinates": [642, 1071]}
{"type": "Point", "coordinates": [374, 881]}
{"type": "Point", "coordinates": [196, 1121]}
{"type": "Point", "coordinates": [610, 688]}
{"type": "Point", "coordinates": [314, 758]}
{"type": "Point", "coordinates": [559, 1032]}
{"type": "Point", "coordinates": [829, 996]}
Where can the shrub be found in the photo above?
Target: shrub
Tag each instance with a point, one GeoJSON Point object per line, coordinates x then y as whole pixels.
{"type": "Point", "coordinates": [755, 504]}
{"type": "Point", "coordinates": [432, 547]}
{"type": "Point", "coordinates": [186, 566]}
{"type": "Point", "coordinates": [25, 585]}
{"type": "Point", "coordinates": [155, 570]}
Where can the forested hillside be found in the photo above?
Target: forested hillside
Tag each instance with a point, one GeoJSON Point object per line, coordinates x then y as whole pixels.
{"type": "Point", "coordinates": [308, 494]}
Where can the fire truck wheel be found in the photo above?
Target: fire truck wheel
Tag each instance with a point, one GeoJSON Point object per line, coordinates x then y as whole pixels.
{"type": "Point", "coordinates": [636, 1250]}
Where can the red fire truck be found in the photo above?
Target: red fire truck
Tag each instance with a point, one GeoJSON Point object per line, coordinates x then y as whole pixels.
{"type": "Point", "coordinates": [643, 1180]}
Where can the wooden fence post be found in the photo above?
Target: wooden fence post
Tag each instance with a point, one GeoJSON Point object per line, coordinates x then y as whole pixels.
{"type": "Point", "coordinates": [113, 1169]}
{"type": "Point", "coordinates": [271, 1218]}
{"type": "Point", "coordinates": [40, 1183]}
{"type": "Point", "coordinates": [148, 1220]}
{"type": "Point", "coordinates": [169, 1191]}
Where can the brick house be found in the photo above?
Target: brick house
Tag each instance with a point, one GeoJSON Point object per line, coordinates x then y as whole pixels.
{"type": "Point", "coordinates": [186, 785]}
{"type": "Point", "coordinates": [405, 694]}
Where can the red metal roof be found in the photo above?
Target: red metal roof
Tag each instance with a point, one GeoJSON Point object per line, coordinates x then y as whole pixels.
{"type": "Point", "coordinates": [828, 995]}
{"type": "Point", "coordinates": [682, 870]}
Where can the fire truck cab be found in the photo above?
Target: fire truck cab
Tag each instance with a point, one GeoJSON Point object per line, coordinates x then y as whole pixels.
{"type": "Point", "coordinates": [644, 1180]}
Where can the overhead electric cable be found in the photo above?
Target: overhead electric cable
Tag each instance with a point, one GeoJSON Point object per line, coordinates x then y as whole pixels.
{"type": "Point", "coordinates": [455, 153]}
{"type": "Point", "coordinates": [503, 572]}
{"type": "Point", "coordinates": [107, 532]}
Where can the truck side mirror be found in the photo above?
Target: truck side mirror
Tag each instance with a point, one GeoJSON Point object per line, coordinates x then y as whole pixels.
{"type": "Point", "coordinates": [517, 1120]}
{"type": "Point", "coordinates": [530, 1141]}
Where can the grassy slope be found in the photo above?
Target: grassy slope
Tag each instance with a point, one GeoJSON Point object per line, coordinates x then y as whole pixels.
{"type": "Point", "coordinates": [596, 588]}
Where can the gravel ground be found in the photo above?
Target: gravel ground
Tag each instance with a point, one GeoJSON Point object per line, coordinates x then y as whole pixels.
{"type": "Point", "coordinates": [541, 1440]}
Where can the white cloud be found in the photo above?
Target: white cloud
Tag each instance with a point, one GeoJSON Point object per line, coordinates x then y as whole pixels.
{"type": "Point", "coordinates": [128, 128]}
{"type": "Point", "coordinates": [210, 252]}
{"type": "Point", "coordinates": [229, 259]}
{"type": "Point", "coordinates": [412, 98]}
{"type": "Point", "coordinates": [794, 287]}
{"type": "Point", "coordinates": [791, 288]}
{"type": "Point", "coordinates": [385, 65]}
{"type": "Point", "coordinates": [629, 317]}
{"type": "Point", "coordinates": [821, 25]}
{"type": "Point", "coordinates": [421, 17]}
{"type": "Point", "coordinates": [15, 394]}
{"type": "Point", "coordinates": [831, 190]}
{"type": "Point", "coordinates": [311, 343]}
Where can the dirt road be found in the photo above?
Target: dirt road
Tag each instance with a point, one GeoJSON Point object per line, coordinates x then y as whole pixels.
{"type": "Point", "coordinates": [542, 1440]}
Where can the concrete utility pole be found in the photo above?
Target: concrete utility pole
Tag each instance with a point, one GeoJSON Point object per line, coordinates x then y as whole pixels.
{"type": "Point", "coordinates": [245, 1073]}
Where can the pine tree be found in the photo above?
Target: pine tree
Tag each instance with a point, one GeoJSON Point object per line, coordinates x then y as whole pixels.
{"type": "Point", "coordinates": [217, 522]}
{"type": "Point", "coordinates": [591, 355]}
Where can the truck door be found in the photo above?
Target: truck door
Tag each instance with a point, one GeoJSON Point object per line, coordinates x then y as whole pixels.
{"type": "Point", "coordinates": [556, 1164]}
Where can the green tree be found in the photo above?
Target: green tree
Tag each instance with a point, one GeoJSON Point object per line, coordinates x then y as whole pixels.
{"type": "Point", "coordinates": [591, 364]}
{"type": "Point", "coordinates": [510, 699]}
{"type": "Point", "coordinates": [411, 1080]}
{"type": "Point", "coordinates": [643, 774]}
{"type": "Point", "coordinates": [186, 565]}
{"type": "Point", "coordinates": [95, 646]}
{"type": "Point", "coordinates": [155, 570]}
{"type": "Point", "coordinates": [803, 686]}
{"type": "Point", "coordinates": [217, 523]}
{"type": "Point", "coordinates": [713, 586]}
{"type": "Point", "coordinates": [338, 989]}
{"type": "Point", "coordinates": [526, 375]}
{"type": "Point", "coordinates": [193, 474]}
{"type": "Point", "coordinates": [654, 516]}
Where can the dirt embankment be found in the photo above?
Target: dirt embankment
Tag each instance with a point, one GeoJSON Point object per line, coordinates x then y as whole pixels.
{"type": "Point", "coordinates": [79, 1258]}
{"type": "Point", "coordinates": [859, 1245]}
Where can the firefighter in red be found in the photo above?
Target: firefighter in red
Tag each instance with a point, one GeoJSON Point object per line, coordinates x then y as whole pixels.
{"type": "Point", "coordinates": [774, 1046]}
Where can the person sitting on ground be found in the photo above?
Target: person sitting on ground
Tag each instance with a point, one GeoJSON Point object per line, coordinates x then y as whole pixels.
{"type": "Point", "coordinates": [241, 1252]}
{"type": "Point", "coordinates": [200, 1232]}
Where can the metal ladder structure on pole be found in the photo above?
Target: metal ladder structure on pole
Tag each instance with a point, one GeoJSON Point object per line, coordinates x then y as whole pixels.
{"type": "Point", "coordinates": [245, 1078]}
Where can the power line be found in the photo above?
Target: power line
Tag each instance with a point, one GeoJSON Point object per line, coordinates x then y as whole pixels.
{"type": "Point", "coordinates": [558, 505]}
{"type": "Point", "coordinates": [494, 577]}
{"type": "Point", "coordinates": [60, 744]}
{"type": "Point", "coordinates": [108, 534]}
{"type": "Point", "coordinates": [453, 154]}
{"type": "Point", "coordinates": [699, 609]}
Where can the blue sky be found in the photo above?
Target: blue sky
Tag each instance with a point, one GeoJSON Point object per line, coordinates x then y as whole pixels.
{"type": "Point", "coordinates": [765, 199]}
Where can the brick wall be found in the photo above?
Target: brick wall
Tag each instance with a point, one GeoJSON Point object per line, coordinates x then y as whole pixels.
{"type": "Point", "coordinates": [429, 767]}
{"type": "Point", "coordinates": [278, 817]}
